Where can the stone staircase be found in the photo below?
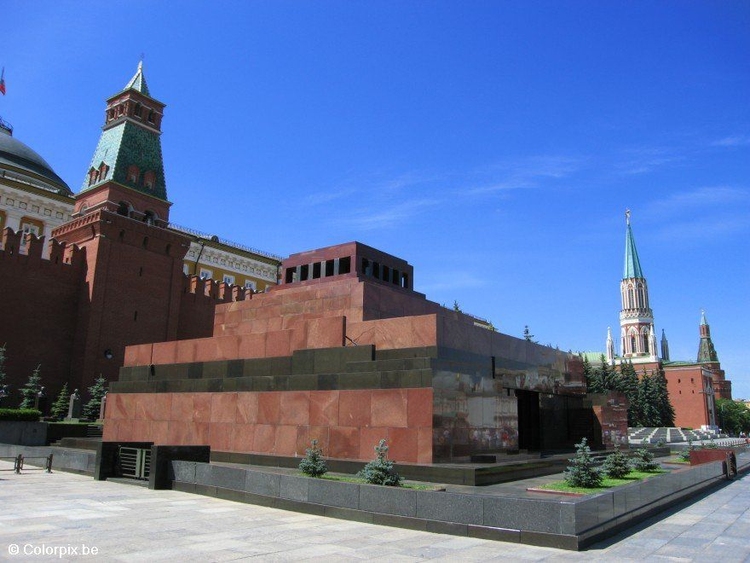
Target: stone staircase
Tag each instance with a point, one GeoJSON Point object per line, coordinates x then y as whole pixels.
{"type": "Point", "coordinates": [665, 435]}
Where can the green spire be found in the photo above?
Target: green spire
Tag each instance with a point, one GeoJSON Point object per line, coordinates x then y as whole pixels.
{"type": "Point", "coordinates": [632, 263]}
{"type": "Point", "coordinates": [138, 82]}
{"type": "Point", "coordinates": [129, 149]}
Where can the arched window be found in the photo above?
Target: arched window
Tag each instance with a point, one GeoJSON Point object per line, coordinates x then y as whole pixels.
{"type": "Point", "coordinates": [641, 298]}
{"type": "Point", "coordinates": [645, 340]}
{"type": "Point", "coordinates": [137, 110]}
{"type": "Point", "coordinates": [124, 209]}
{"type": "Point", "coordinates": [631, 297]}
{"type": "Point", "coordinates": [149, 217]}
{"type": "Point", "coordinates": [151, 116]}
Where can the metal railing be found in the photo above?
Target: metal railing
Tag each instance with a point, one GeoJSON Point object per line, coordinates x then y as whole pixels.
{"type": "Point", "coordinates": [19, 459]}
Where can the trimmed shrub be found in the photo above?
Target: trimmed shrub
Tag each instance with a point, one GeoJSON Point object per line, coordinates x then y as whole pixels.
{"type": "Point", "coordinates": [380, 471]}
{"type": "Point", "coordinates": [30, 415]}
{"type": "Point", "coordinates": [582, 472]}
{"type": "Point", "coordinates": [313, 463]}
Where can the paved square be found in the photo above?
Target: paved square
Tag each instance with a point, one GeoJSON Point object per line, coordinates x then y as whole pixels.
{"type": "Point", "coordinates": [67, 517]}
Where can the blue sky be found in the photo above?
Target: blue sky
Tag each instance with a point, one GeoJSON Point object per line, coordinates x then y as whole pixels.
{"type": "Point", "coordinates": [493, 145]}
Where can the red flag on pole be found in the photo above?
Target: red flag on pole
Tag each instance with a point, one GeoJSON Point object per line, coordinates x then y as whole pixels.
{"type": "Point", "coordinates": [2, 81]}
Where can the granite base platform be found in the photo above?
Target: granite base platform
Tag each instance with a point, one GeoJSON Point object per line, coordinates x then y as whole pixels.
{"type": "Point", "coordinates": [572, 523]}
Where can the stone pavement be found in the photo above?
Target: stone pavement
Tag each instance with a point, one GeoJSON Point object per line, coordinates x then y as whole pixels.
{"type": "Point", "coordinates": [61, 516]}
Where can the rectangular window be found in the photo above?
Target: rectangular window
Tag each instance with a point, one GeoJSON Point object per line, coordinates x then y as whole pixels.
{"type": "Point", "coordinates": [228, 279]}
{"type": "Point", "coordinates": [206, 274]}
{"type": "Point", "coordinates": [345, 265]}
{"type": "Point", "coordinates": [249, 284]}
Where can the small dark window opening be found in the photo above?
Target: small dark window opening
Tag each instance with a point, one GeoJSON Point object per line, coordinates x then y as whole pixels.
{"type": "Point", "coordinates": [145, 242]}
{"type": "Point", "coordinates": [405, 280]}
{"type": "Point", "coordinates": [316, 271]}
{"type": "Point", "coordinates": [376, 270]}
{"type": "Point", "coordinates": [123, 209]}
{"type": "Point", "coordinates": [396, 276]}
{"type": "Point", "coordinates": [151, 117]}
{"type": "Point", "coordinates": [137, 110]}
{"type": "Point", "coordinates": [386, 273]}
{"type": "Point", "coordinates": [135, 316]}
{"type": "Point", "coordinates": [289, 275]}
{"type": "Point", "coordinates": [140, 271]}
{"type": "Point", "coordinates": [304, 272]}
{"type": "Point", "coordinates": [329, 268]}
{"type": "Point", "coordinates": [345, 265]}
{"type": "Point", "coordinates": [366, 267]}
{"type": "Point", "coordinates": [122, 236]}
{"type": "Point", "coordinates": [169, 248]}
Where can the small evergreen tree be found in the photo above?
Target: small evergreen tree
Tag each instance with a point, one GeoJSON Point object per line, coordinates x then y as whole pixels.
{"type": "Point", "coordinates": [644, 461]}
{"type": "Point", "coordinates": [527, 334]}
{"type": "Point", "coordinates": [380, 471]}
{"type": "Point", "coordinates": [313, 463]}
{"type": "Point", "coordinates": [582, 472]}
{"type": "Point", "coordinates": [456, 306]}
{"type": "Point", "coordinates": [616, 465]}
{"type": "Point", "coordinates": [96, 391]}
{"type": "Point", "coordinates": [31, 389]}
{"type": "Point", "coordinates": [61, 405]}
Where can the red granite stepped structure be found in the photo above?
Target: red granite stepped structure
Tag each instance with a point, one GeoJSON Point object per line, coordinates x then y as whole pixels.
{"type": "Point", "coordinates": [346, 352]}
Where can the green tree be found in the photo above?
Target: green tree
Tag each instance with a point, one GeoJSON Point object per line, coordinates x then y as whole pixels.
{"type": "Point", "coordinates": [527, 334]}
{"type": "Point", "coordinates": [648, 400]}
{"type": "Point", "coordinates": [381, 470]}
{"type": "Point", "coordinates": [733, 416]}
{"type": "Point", "coordinates": [629, 386]}
{"type": "Point", "coordinates": [313, 463]}
{"type": "Point", "coordinates": [661, 397]}
{"type": "Point", "coordinates": [582, 471]}
{"type": "Point", "coordinates": [31, 389]}
{"type": "Point", "coordinates": [456, 306]}
{"type": "Point", "coordinates": [60, 407]}
{"type": "Point", "coordinates": [644, 461]}
{"type": "Point", "coordinates": [96, 392]}
{"type": "Point", "coordinates": [616, 465]}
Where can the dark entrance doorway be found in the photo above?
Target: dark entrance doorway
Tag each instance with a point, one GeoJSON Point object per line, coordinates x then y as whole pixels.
{"type": "Point", "coordinates": [529, 435]}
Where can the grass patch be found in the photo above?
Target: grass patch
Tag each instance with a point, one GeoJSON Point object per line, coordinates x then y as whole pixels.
{"type": "Point", "coordinates": [607, 483]}
{"type": "Point", "coordinates": [359, 481]}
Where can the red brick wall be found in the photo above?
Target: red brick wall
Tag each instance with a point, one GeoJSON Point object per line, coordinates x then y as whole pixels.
{"type": "Point", "coordinates": [686, 387]}
{"type": "Point", "coordinates": [38, 308]}
{"type": "Point", "coordinates": [347, 424]}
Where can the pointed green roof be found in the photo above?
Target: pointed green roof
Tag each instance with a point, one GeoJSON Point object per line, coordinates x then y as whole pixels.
{"type": "Point", "coordinates": [632, 263]}
{"type": "Point", "coordinates": [138, 82]}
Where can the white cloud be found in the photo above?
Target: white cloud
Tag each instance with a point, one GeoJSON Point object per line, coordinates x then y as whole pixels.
{"type": "Point", "coordinates": [732, 141]}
